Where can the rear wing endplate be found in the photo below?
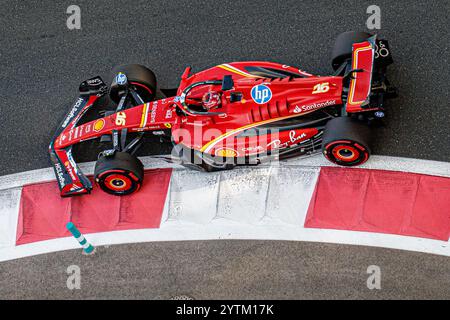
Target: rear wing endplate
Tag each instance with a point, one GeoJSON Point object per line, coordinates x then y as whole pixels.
{"type": "Point", "coordinates": [361, 80]}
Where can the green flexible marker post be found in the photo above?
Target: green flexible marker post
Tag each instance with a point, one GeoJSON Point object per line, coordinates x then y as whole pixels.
{"type": "Point", "coordinates": [87, 247]}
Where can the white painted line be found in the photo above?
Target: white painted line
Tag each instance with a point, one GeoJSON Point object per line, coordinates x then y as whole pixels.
{"type": "Point", "coordinates": [376, 162]}
{"type": "Point", "coordinates": [193, 196]}
{"type": "Point", "coordinates": [222, 230]}
{"type": "Point", "coordinates": [434, 168]}
{"type": "Point", "coordinates": [9, 212]}
{"type": "Point", "coordinates": [289, 193]}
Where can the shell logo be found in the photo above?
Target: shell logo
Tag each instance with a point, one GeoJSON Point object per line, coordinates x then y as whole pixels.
{"type": "Point", "coordinates": [99, 125]}
{"type": "Point", "coordinates": [226, 153]}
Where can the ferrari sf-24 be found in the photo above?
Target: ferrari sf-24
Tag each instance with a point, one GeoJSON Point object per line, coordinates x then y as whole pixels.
{"type": "Point", "coordinates": [240, 113]}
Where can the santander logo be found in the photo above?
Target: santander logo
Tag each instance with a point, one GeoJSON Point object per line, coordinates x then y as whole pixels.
{"type": "Point", "coordinates": [314, 106]}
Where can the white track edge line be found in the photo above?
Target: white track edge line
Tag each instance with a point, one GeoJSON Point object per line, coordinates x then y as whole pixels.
{"type": "Point", "coordinates": [175, 232]}
{"type": "Point", "coordinates": [428, 167]}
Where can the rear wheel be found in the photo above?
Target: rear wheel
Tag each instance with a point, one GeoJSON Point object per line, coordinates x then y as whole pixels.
{"type": "Point", "coordinates": [120, 174]}
{"type": "Point", "coordinates": [343, 46]}
{"type": "Point", "coordinates": [346, 142]}
{"type": "Point", "coordinates": [140, 77]}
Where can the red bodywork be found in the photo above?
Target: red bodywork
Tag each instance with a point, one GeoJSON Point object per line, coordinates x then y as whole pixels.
{"type": "Point", "coordinates": [291, 97]}
{"type": "Point", "coordinates": [220, 134]}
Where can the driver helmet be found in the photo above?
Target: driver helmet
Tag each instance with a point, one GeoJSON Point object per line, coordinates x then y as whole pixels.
{"type": "Point", "coordinates": [211, 100]}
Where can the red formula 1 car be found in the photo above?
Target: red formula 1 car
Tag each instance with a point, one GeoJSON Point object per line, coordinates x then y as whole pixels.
{"type": "Point", "coordinates": [231, 114]}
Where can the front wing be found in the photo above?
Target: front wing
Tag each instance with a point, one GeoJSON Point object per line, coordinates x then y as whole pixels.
{"type": "Point", "coordinates": [70, 179]}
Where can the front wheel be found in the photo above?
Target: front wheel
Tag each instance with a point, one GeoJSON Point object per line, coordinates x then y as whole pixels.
{"type": "Point", "coordinates": [140, 77]}
{"type": "Point", "coordinates": [120, 174]}
{"type": "Point", "coordinates": [346, 142]}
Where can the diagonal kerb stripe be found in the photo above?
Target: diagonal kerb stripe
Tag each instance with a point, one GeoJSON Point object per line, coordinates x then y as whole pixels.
{"type": "Point", "coordinates": [44, 214]}
{"type": "Point", "coordinates": [381, 201]}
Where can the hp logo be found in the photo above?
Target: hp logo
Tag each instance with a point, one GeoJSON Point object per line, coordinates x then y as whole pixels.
{"type": "Point", "coordinates": [121, 78]}
{"type": "Point", "coordinates": [261, 94]}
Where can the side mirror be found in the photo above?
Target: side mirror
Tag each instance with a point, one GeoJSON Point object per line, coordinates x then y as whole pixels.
{"type": "Point", "coordinates": [186, 73]}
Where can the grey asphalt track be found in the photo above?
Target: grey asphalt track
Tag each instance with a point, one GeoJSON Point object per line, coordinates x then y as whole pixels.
{"type": "Point", "coordinates": [228, 270]}
{"type": "Point", "coordinates": [42, 64]}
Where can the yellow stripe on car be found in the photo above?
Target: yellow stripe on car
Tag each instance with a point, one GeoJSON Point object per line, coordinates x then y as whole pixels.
{"type": "Point", "coordinates": [207, 147]}
{"type": "Point", "coordinates": [353, 82]}
{"type": "Point", "coordinates": [237, 71]}
{"type": "Point", "coordinates": [144, 115]}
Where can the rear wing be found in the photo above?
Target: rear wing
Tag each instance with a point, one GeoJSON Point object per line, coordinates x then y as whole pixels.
{"type": "Point", "coordinates": [369, 61]}
{"type": "Point", "coordinates": [361, 79]}
{"type": "Point", "coordinates": [70, 179]}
